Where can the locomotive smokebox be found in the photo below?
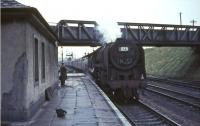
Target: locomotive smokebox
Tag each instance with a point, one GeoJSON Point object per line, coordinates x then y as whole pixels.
{"type": "Point", "coordinates": [124, 55]}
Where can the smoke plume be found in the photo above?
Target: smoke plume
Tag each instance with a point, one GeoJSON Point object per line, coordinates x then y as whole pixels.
{"type": "Point", "coordinates": [110, 30]}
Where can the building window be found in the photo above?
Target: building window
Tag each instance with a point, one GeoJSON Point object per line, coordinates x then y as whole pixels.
{"type": "Point", "coordinates": [43, 62]}
{"type": "Point", "coordinates": [36, 61]}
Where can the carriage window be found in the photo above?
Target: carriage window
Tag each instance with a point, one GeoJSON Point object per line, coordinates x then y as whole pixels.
{"type": "Point", "coordinates": [36, 61]}
{"type": "Point", "coordinates": [123, 49]}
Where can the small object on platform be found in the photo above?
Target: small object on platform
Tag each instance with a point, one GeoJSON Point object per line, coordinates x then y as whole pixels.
{"type": "Point", "coordinates": [61, 113]}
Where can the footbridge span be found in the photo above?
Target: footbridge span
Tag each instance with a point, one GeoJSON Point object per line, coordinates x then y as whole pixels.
{"type": "Point", "coordinates": [86, 33]}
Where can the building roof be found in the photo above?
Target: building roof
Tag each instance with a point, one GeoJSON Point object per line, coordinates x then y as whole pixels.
{"type": "Point", "coordinates": [11, 9]}
{"type": "Point", "coordinates": [12, 4]}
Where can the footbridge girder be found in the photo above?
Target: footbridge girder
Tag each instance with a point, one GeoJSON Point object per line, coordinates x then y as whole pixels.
{"type": "Point", "coordinates": [160, 34]}
{"type": "Point", "coordinates": [86, 33]}
{"type": "Point", "coordinates": [78, 33]}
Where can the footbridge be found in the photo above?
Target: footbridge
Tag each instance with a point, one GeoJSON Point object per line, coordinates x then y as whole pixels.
{"type": "Point", "coordinates": [86, 33]}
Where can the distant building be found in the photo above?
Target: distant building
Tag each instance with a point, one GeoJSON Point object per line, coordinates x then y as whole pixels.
{"type": "Point", "coordinates": [29, 61]}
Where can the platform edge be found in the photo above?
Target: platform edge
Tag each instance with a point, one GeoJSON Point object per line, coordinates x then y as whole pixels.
{"type": "Point", "coordinates": [121, 117]}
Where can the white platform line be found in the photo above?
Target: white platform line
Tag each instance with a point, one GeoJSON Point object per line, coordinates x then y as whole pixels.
{"type": "Point", "coordinates": [123, 119]}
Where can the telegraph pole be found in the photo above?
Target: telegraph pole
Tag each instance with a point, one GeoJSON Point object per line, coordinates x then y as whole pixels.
{"type": "Point", "coordinates": [193, 22]}
{"type": "Point", "coordinates": [180, 14]}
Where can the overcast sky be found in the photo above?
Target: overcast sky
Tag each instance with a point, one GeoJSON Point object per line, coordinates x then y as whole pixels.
{"type": "Point", "coordinates": [140, 11]}
{"type": "Point", "coordinates": [147, 11]}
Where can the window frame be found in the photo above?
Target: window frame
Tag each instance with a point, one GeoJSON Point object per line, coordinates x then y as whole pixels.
{"type": "Point", "coordinates": [43, 62]}
{"type": "Point", "coordinates": [36, 77]}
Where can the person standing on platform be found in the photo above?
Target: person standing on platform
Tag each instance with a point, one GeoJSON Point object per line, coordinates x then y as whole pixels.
{"type": "Point", "coordinates": [63, 74]}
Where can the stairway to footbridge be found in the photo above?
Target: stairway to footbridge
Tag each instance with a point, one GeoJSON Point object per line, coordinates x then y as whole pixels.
{"type": "Point", "coordinates": [86, 33]}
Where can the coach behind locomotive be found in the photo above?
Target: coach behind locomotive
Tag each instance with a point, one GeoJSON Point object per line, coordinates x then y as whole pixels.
{"type": "Point", "coordinates": [120, 66]}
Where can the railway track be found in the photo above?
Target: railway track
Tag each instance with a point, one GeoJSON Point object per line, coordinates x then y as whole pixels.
{"type": "Point", "coordinates": [183, 112]}
{"type": "Point", "coordinates": [139, 114]}
{"type": "Point", "coordinates": [179, 96]}
{"type": "Point", "coordinates": [180, 91]}
{"type": "Point", "coordinates": [191, 91]}
{"type": "Point", "coordinates": [192, 84]}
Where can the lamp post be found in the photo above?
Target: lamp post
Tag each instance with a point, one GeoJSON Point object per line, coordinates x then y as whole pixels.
{"type": "Point", "coordinates": [62, 53]}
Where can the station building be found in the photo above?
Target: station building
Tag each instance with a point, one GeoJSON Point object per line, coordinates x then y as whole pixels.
{"type": "Point", "coordinates": [29, 61]}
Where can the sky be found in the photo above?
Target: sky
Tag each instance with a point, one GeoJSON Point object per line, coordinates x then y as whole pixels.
{"type": "Point", "coordinates": [109, 12]}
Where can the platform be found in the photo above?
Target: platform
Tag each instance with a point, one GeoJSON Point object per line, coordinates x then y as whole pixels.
{"type": "Point", "coordinates": [84, 103]}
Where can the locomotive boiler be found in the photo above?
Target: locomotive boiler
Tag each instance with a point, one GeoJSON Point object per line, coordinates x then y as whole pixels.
{"type": "Point", "coordinates": [119, 67]}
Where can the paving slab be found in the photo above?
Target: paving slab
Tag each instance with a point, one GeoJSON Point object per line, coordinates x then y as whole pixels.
{"type": "Point", "coordinates": [84, 104]}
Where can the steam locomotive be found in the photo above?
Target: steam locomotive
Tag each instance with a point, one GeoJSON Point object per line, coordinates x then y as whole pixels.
{"type": "Point", "coordinates": [119, 67]}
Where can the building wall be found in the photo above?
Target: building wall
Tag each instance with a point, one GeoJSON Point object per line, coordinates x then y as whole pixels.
{"type": "Point", "coordinates": [14, 70]}
{"type": "Point", "coordinates": [36, 91]}
{"type": "Point", "coordinates": [21, 95]}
